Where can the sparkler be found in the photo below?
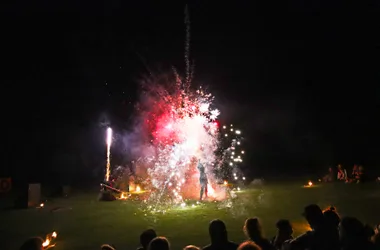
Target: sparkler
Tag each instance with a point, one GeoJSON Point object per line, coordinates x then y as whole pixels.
{"type": "Point", "coordinates": [109, 141]}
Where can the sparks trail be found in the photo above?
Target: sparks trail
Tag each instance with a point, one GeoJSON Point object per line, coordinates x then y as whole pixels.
{"type": "Point", "coordinates": [189, 69]}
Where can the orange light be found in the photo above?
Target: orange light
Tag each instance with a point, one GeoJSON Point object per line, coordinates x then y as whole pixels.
{"type": "Point", "coordinates": [42, 205]}
{"type": "Point", "coordinates": [47, 242]}
{"type": "Point", "coordinates": [310, 184]}
{"type": "Point", "coordinates": [225, 183]}
{"type": "Point", "coordinates": [138, 189]}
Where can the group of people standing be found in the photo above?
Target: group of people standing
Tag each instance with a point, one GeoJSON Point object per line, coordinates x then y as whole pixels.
{"type": "Point", "coordinates": [357, 175]}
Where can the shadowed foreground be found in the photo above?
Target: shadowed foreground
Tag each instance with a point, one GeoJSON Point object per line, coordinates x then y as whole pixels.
{"type": "Point", "coordinates": [85, 223]}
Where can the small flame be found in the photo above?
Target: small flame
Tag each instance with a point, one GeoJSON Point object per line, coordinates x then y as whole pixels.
{"type": "Point", "coordinates": [225, 183]}
{"type": "Point", "coordinates": [47, 242]}
{"type": "Point", "coordinates": [138, 189]}
{"type": "Point", "coordinates": [42, 205]}
{"type": "Point", "coordinates": [310, 184]}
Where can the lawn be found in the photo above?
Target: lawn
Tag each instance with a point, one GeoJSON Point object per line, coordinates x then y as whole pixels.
{"type": "Point", "coordinates": [87, 223]}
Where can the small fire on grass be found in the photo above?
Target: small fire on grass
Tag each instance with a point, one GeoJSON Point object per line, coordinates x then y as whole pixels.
{"type": "Point", "coordinates": [309, 184]}
{"type": "Point", "coordinates": [48, 243]}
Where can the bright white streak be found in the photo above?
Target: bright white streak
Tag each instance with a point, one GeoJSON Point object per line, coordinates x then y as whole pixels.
{"type": "Point", "coordinates": [109, 141]}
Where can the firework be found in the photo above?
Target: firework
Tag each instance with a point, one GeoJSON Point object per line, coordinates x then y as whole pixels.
{"type": "Point", "coordinates": [109, 141]}
{"type": "Point", "coordinates": [181, 124]}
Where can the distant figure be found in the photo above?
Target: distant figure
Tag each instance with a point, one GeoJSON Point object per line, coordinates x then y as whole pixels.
{"type": "Point", "coordinates": [284, 233]}
{"type": "Point", "coordinates": [145, 238]}
{"type": "Point", "coordinates": [33, 244]}
{"type": "Point", "coordinates": [355, 172]}
{"type": "Point", "coordinates": [159, 243]}
{"type": "Point", "coordinates": [253, 231]}
{"type": "Point", "coordinates": [202, 180]}
{"type": "Point", "coordinates": [361, 175]}
{"type": "Point", "coordinates": [329, 177]}
{"type": "Point", "coordinates": [219, 237]}
{"type": "Point", "coordinates": [249, 245]}
{"type": "Point", "coordinates": [342, 173]}
{"type": "Point", "coordinates": [191, 247]}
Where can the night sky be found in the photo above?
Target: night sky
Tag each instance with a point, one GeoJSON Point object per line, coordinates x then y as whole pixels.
{"type": "Point", "coordinates": [301, 78]}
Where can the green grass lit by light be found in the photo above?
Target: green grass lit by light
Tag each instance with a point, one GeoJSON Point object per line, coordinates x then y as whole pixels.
{"type": "Point", "coordinates": [88, 223]}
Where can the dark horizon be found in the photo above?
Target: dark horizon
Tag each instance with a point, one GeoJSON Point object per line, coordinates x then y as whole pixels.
{"type": "Point", "coordinates": [300, 79]}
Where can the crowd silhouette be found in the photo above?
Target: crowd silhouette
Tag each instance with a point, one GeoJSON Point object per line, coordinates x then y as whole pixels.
{"type": "Point", "coordinates": [328, 232]}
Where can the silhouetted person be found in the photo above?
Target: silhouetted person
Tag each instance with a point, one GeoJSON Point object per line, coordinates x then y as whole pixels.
{"type": "Point", "coordinates": [253, 231]}
{"type": "Point", "coordinates": [249, 245]}
{"type": "Point", "coordinates": [219, 237]}
{"type": "Point", "coordinates": [202, 179]}
{"type": "Point", "coordinates": [284, 233]}
{"type": "Point", "coordinates": [159, 243]}
{"type": "Point", "coordinates": [318, 237]}
{"type": "Point", "coordinates": [353, 235]}
{"type": "Point", "coordinates": [33, 244]}
{"type": "Point", "coordinates": [146, 237]}
{"type": "Point", "coordinates": [332, 220]}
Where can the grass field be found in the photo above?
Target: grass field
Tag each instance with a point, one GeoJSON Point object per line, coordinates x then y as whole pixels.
{"type": "Point", "coordinates": [87, 223]}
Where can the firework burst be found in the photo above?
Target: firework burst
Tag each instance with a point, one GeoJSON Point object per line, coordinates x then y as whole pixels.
{"type": "Point", "coordinates": [181, 125]}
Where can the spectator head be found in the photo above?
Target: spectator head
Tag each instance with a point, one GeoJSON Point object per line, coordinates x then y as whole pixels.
{"type": "Point", "coordinates": [313, 214]}
{"type": "Point", "coordinates": [107, 247]}
{"type": "Point", "coordinates": [248, 245]}
{"type": "Point", "coordinates": [159, 243]}
{"type": "Point", "coordinates": [218, 231]}
{"type": "Point", "coordinates": [191, 247]}
{"type": "Point", "coordinates": [252, 228]}
{"type": "Point", "coordinates": [146, 237]}
{"type": "Point", "coordinates": [284, 227]}
{"type": "Point", "coordinates": [331, 216]}
{"type": "Point", "coordinates": [351, 229]}
{"type": "Point", "coordinates": [33, 244]}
